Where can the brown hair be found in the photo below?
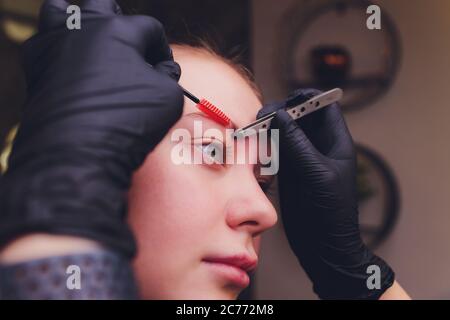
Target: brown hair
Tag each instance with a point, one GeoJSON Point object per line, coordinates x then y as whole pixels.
{"type": "Point", "coordinates": [234, 62]}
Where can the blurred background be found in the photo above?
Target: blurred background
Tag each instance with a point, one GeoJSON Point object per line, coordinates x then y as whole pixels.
{"type": "Point", "coordinates": [394, 79]}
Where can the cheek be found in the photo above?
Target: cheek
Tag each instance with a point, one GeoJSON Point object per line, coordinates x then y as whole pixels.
{"type": "Point", "coordinates": [174, 215]}
{"type": "Point", "coordinates": [167, 203]}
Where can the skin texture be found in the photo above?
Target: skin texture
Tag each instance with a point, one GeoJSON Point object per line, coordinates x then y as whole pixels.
{"type": "Point", "coordinates": [181, 214]}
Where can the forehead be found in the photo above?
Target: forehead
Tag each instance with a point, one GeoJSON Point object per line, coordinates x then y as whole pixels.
{"type": "Point", "coordinates": [209, 77]}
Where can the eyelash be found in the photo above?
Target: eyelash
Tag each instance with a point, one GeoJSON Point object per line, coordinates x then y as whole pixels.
{"type": "Point", "coordinates": [263, 183]}
{"type": "Point", "coordinates": [213, 143]}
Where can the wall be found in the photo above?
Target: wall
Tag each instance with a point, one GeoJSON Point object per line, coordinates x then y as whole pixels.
{"type": "Point", "coordinates": [409, 126]}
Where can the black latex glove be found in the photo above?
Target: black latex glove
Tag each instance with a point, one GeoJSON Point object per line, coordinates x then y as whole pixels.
{"type": "Point", "coordinates": [95, 109]}
{"type": "Point", "coordinates": [317, 187]}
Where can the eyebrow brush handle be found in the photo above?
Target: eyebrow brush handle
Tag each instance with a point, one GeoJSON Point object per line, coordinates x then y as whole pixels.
{"type": "Point", "coordinates": [208, 108]}
{"type": "Point", "coordinates": [190, 96]}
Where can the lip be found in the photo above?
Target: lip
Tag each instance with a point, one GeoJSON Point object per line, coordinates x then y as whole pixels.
{"type": "Point", "coordinates": [234, 268]}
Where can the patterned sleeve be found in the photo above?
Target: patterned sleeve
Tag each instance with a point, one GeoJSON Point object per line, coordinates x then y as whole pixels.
{"type": "Point", "coordinates": [97, 275]}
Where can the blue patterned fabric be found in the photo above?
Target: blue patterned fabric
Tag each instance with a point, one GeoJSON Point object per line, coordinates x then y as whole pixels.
{"type": "Point", "coordinates": [98, 275]}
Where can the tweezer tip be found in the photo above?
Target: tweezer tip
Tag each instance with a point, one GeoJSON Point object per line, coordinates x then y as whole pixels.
{"type": "Point", "coordinates": [238, 134]}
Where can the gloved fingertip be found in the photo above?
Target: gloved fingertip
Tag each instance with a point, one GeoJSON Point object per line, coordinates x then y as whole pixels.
{"type": "Point", "coordinates": [301, 95]}
{"type": "Point", "coordinates": [282, 119]}
{"type": "Point", "coordinates": [170, 68]}
{"type": "Point", "coordinates": [154, 41]}
{"type": "Point", "coordinates": [269, 108]}
{"type": "Point", "coordinates": [294, 139]}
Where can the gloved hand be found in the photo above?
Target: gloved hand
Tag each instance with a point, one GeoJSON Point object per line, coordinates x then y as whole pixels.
{"type": "Point", "coordinates": [99, 100]}
{"type": "Point", "coordinates": [317, 188]}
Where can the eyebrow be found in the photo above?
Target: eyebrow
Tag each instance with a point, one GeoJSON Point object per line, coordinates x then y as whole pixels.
{"type": "Point", "coordinates": [201, 114]}
{"type": "Point", "coordinates": [233, 126]}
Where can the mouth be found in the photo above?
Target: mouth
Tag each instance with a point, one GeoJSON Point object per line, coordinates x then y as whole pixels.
{"type": "Point", "coordinates": [233, 268]}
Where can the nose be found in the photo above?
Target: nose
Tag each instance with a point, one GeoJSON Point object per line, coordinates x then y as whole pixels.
{"type": "Point", "coordinates": [248, 208]}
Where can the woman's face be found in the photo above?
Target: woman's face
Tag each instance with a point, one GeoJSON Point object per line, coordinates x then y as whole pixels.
{"type": "Point", "coordinates": [198, 225]}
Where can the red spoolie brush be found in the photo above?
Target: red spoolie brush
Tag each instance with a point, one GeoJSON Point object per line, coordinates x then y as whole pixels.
{"type": "Point", "coordinates": [209, 109]}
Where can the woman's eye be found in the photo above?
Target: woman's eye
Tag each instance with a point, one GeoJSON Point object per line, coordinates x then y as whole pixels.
{"type": "Point", "coordinates": [214, 151]}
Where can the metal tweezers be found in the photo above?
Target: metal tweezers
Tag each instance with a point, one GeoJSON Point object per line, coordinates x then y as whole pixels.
{"type": "Point", "coordinates": [316, 103]}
